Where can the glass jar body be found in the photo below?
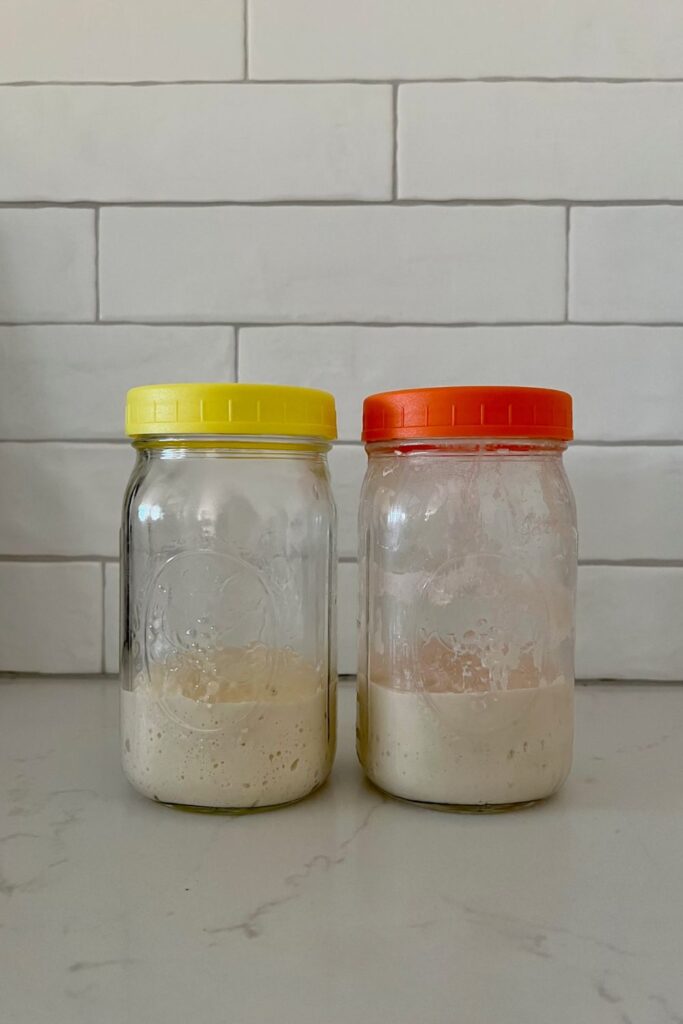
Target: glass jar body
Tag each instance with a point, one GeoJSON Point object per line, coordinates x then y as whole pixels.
{"type": "Point", "coordinates": [468, 579]}
{"type": "Point", "coordinates": [228, 662]}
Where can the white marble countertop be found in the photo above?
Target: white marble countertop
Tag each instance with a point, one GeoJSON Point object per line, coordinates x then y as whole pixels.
{"type": "Point", "coordinates": [347, 907]}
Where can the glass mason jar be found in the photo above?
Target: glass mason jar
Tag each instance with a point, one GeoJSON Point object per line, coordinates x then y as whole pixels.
{"type": "Point", "coordinates": [468, 550]}
{"type": "Point", "coordinates": [228, 662]}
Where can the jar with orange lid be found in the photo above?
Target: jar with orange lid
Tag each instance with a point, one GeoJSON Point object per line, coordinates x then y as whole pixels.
{"type": "Point", "coordinates": [228, 595]}
{"type": "Point", "coordinates": [468, 553]}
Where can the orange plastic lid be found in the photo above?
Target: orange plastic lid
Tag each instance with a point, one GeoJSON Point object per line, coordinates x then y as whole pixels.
{"type": "Point", "coordinates": [468, 412]}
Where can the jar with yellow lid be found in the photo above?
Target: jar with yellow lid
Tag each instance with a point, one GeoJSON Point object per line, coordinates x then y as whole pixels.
{"type": "Point", "coordinates": [228, 595]}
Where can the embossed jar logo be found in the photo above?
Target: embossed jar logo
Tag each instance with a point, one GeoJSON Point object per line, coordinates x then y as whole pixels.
{"type": "Point", "coordinates": [201, 602]}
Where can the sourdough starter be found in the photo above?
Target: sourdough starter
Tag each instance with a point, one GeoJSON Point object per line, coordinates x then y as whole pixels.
{"type": "Point", "coordinates": [244, 728]}
{"type": "Point", "coordinates": [495, 747]}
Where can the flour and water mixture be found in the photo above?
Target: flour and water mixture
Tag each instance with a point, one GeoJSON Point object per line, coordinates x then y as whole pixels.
{"type": "Point", "coordinates": [239, 728]}
{"type": "Point", "coordinates": [454, 729]}
{"type": "Point", "coordinates": [495, 747]}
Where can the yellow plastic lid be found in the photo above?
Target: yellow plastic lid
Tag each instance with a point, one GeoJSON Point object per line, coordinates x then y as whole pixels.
{"type": "Point", "coordinates": [237, 409]}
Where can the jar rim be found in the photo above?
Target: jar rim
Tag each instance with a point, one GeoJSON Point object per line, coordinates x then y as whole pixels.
{"type": "Point", "coordinates": [464, 445]}
{"type": "Point", "coordinates": [238, 442]}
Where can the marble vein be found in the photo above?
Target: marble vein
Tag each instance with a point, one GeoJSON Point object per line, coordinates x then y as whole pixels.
{"type": "Point", "coordinates": [671, 1015]}
{"type": "Point", "coordinates": [534, 937]}
{"type": "Point", "coordinates": [251, 926]}
{"type": "Point", "coordinates": [91, 965]}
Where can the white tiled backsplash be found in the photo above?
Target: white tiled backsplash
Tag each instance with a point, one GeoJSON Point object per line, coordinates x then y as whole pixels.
{"type": "Point", "coordinates": [353, 195]}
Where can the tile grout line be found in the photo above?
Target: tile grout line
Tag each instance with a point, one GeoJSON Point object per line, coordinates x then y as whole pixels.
{"type": "Point", "coordinates": [600, 563]}
{"type": "Point", "coordinates": [8, 674]}
{"type": "Point", "coordinates": [61, 559]}
{"type": "Point", "coordinates": [118, 442]}
{"type": "Point", "coordinates": [566, 263]}
{"type": "Point", "coordinates": [632, 563]}
{"type": "Point", "coordinates": [103, 662]}
{"type": "Point", "coordinates": [577, 443]}
{"type": "Point", "coordinates": [406, 202]}
{"type": "Point", "coordinates": [394, 157]}
{"type": "Point", "coordinates": [423, 80]}
{"type": "Point", "coordinates": [163, 325]}
{"type": "Point", "coordinates": [97, 264]}
{"type": "Point", "coordinates": [634, 443]}
{"type": "Point", "coordinates": [245, 27]}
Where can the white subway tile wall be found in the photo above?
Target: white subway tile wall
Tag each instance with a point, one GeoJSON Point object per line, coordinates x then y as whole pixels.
{"type": "Point", "coordinates": [402, 39]}
{"type": "Point", "coordinates": [111, 617]}
{"type": "Point", "coordinates": [47, 265]}
{"type": "Point", "coordinates": [70, 493]}
{"type": "Point", "coordinates": [540, 140]}
{"type": "Point", "coordinates": [314, 142]}
{"type": "Point", "coordinates": [51, 617]}
{"type": "Point", "coordinates": [123, 41]}
{"type": "Point", "coordinates": [325, 263]}
{"type": "Point", "coordinates": [626, 264]}
{"type": "Point", "coordinates": [356, 196]}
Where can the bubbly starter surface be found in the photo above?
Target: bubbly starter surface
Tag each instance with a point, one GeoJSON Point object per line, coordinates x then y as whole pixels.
{"type": "Point", "coordinates": [247, 728]}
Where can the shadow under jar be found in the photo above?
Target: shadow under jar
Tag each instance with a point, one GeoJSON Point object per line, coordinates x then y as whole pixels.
{"type": "Point", "coordinates": [468, 553]}
{"type": "Point", "coordinates": [228, 665]}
